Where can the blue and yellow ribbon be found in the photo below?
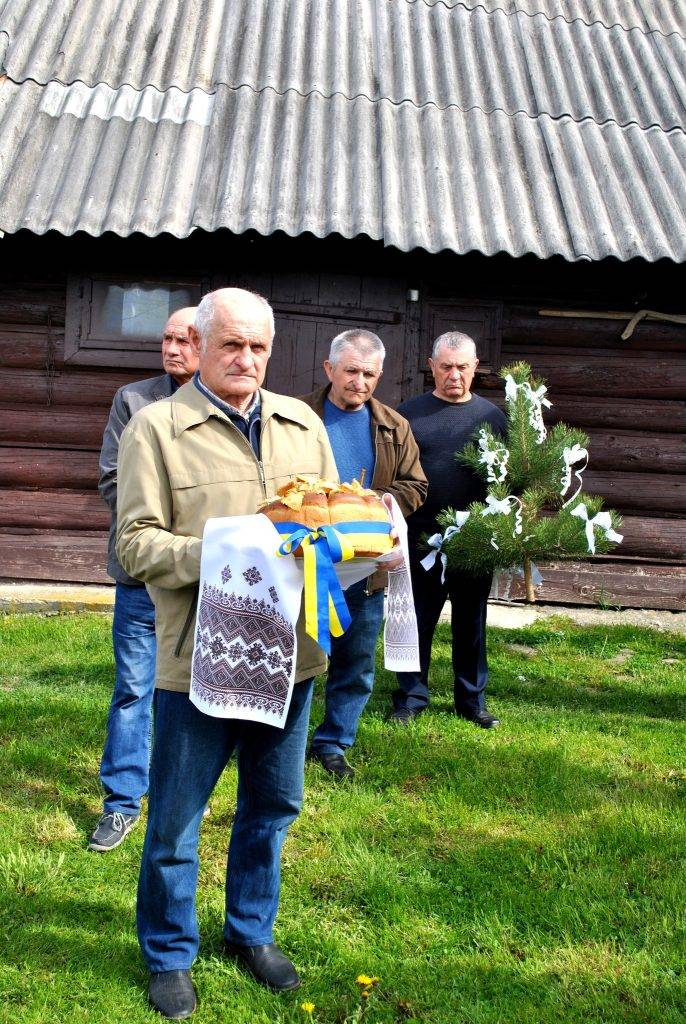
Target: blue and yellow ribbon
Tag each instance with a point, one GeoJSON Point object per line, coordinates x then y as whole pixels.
{"type": "Point", "coordinates": [326, 613]}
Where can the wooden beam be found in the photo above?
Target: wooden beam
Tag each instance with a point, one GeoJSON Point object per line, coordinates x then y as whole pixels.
{"type": "Point", "coordinates": [54, 510]}
{"type": "Point", "coordinates": [69, 556]}
{"type": "Point", "coordinates": [54, 427]}
{"type": "Point", "coordinates": [48, 468]}
{"type": "Point", "coordinates": [603, 584]}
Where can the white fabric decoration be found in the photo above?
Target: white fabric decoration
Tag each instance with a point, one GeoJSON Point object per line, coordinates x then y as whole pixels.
{"type": "Point", "coordinates": [535, 399]}
{"type": "Point", "coordinates": [570, 457]}
{"type": "Point", "coordinates": [601, 521]}
{"type": "Point", "coordinates": [495, 458]}
{"type": "Point", "coordinates": [437, 541]}
{"type": "Point", "coordinates": [503, 506]}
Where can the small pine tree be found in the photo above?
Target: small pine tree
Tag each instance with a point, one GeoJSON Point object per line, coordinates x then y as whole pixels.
{"type": "Point", "coordinates": [535, 507]}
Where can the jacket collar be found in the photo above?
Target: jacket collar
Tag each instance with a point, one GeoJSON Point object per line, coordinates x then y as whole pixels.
{"type": "Point", "coordinates": [190, 407]}
{"type": "Point", "coordinates": [163, 387]}
{"type": "Point", "coordinates": [377, 410]}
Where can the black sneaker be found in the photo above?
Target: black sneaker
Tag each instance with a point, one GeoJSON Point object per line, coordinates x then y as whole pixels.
{"type": "Point", "coordinates": [334, 764]}
{"type": "Point", "coordinates": [111, 830]}
{"type": "Point", "coordinates": [484, 719]}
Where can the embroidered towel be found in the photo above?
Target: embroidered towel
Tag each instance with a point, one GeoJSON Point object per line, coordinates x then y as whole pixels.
{"type": "Point", "coordinates": [401, 637]}
{"type": "Point", "coordinates": [248, 606]}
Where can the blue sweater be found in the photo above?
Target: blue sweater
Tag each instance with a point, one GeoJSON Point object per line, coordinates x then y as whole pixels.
{"type": "Point", "coordinates": [350, 434]}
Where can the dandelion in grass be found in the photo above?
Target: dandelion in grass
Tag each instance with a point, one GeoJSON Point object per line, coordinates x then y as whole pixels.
{"type": "Point", "coordinates": [307, 1008]}
{"type": "Point", "coordinates": [366, 984]}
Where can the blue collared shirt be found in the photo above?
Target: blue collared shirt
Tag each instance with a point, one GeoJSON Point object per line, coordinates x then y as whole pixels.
{"type": "Point", "coordinates": [249, 422]}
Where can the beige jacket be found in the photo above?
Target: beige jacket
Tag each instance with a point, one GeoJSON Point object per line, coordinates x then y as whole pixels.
{"type": "Point", "coordinates": [181, 462]}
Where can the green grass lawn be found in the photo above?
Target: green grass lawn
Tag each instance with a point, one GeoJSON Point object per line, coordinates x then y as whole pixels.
{"type": "Point", "coordinates": [531, 874]}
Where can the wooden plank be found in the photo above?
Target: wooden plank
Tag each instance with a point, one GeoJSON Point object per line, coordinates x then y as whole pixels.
{"type": "Point", "coordinates": [612, 413]}
{"type": "Point", "coordinates": [65, 556]}
{"type": "Point", "coordinates": [53, 509]}
{"type": "Point", "coordinates": [28, 349]}
{"type": "Point", "coordinates": [523, 326]}
{"type": "Point", "coordinates": [618, 376]}
{"type": "Point", "coordinates": [648, 536]}
{"type": "Point", "coordinates": [603, 584]}
{"type": "Point", "coordinates": [68, 386]}
{"type": "Point", "coordinates": [638, 491]}
{"type": "Point", "coordinates": [626, 451]}
{"type": "Point", "coordinates": [45, 467]}
{"type": "Point", "coordinates": [56, 427]}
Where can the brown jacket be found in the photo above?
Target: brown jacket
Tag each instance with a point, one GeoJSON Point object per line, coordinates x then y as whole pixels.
{"type": "Point", "coordinates": [181, 462]}
{"type": "Point", "coordinates": [397, 469]}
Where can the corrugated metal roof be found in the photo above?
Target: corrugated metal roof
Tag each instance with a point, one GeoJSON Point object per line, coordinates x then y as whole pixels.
{"type": "Point", "coordinates": [399, 50]}
{"type": "Point", "coordinates": [430, 178]}
{"type": "Point", "coordinates": [439, 125]}
{"type": "Point", "coordinates": [663, 16]}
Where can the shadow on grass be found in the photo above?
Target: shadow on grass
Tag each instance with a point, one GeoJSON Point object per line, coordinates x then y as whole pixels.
{"type": "Point", "coordinates": [49, 930]}
{"type": "Point", "coordinates": [643, 700]}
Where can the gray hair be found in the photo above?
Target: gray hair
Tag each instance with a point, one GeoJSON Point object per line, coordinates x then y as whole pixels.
{"type": "Point", "coordinates": [453, 340]}
{"type": "Point", "coordinates": [364, 343]}
{"type": "Point", "coordinates": [204, 317]}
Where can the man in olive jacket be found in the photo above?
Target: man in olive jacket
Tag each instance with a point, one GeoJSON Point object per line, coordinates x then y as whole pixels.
{"type": "Point", "coordinates": [370, 440]}
{"type": "Point", "coordinates": [217, 447]}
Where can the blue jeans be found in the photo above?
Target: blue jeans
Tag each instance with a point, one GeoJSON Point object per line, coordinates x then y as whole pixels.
{"type": "Point", "coordinates": [351, 671]}
{"type": "Point", "coordinates": [190, 752]}
{"type": "Point", "coordinates": [126, 757]}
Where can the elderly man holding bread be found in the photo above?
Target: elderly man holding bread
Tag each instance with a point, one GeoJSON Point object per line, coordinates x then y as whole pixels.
{"type": "Point", "coordinates": [218, 447]}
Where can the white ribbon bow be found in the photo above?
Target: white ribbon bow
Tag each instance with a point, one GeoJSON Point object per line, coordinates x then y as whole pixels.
{"type": "Point", "coordinates": [570, 457]}
{"type": "Point", "coordinates": [536, 400]}
{"type": "Point", "coordinates": [601, 521]}
{"type": "Point", "coordinates": [494, 506]}
{"type": "Point", "coordinates": [437, 541]}
{"type": "Point", "coordinates": [495, 459]}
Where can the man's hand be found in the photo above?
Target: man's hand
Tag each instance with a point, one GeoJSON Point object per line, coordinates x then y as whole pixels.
{"type": "Point", "coordinates": [393, 559]}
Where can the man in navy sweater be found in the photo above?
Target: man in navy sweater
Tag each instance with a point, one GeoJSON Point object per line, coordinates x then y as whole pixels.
{"type": "Point", "coordinates": [443, 422]}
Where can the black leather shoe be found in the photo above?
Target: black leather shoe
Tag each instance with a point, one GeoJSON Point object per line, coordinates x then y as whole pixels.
{"type": "Point", "coordinates": [484, 719]}
{"type": "Point", "coordinates": [172, 994]}
{"type": "Point", "coordinates": [334, 764]}
{"type": "Point", "coordinates": [403, 716]}
{"type": "Point", "coordinates": [267, 964]}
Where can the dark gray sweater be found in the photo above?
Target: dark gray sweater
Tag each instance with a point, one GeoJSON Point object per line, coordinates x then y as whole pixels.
{"type": "Point", "coordinates": [441, 429]}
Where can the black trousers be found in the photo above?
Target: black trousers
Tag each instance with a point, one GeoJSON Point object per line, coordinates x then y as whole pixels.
{"type": "Point", "coordinates": [468, 598]}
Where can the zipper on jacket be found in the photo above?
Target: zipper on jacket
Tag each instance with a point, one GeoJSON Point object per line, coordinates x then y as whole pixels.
{"type": "Point", "coordinates": [188, 622]}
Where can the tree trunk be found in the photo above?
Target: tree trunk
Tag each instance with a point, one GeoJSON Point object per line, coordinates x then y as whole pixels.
{"type": "Point", "coordinates": [528, 582]}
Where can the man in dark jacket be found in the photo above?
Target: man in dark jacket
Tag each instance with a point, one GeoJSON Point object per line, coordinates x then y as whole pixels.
{"type": "Point", "coordinates": [443, 422]}
{"type": "Point", "coordinates": [370, 442]}
{"type": "Point", "coordinates": [125, 759]}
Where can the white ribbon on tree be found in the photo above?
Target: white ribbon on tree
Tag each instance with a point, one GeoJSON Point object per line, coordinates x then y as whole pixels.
{"type": "Point", "coordinates": [495, 458]}
{"type": "Point", "coordinates": [570, 456]}
{"type": "Point", "coordinates": [503, 506]}
{"type": "Point", "coordinates": [535, 399]}
{"type": "Point", "coordinates": [437, 541]}
{"type": "Point", "coordinates": [600, 521]}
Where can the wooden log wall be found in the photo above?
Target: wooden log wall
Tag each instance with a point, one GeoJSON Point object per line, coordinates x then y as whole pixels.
{"type": "Point", "coordinates": [53, 525]}
{"type": "Point", "coordinates": [628, 396]}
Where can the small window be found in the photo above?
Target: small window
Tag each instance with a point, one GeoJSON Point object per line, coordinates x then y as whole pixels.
{"type": "Point", "coordinates": [117, 322]}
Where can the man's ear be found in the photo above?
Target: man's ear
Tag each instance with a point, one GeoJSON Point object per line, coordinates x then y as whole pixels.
{"type": "Point", "coordinates": [328, 369]}
{"type": "Point", "coordinates": [194, 338]}
{"type": "Point", "coordinates": [431, 365]}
